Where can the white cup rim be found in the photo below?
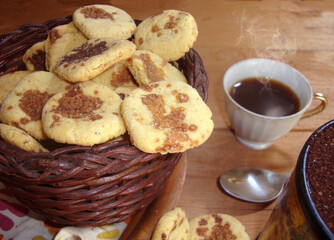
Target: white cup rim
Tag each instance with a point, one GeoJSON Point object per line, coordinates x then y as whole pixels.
{"type": "Point", "coordinates": [306, 106]}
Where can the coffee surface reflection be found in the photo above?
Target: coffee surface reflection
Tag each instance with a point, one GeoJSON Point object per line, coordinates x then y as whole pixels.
{"type": "Point", "coordinates": [266, 97]}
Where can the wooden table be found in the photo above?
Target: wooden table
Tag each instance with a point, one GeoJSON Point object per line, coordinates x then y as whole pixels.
{"type": "Point", "coordinates": [300, 33]}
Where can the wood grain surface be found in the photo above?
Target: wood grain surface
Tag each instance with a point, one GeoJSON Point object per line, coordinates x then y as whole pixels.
{"type": "Point", "coordinates": [300, 33]}
{"type": "Point", "coordinates": [142, 225]}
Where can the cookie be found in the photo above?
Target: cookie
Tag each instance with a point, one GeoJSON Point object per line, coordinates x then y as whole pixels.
{"type": "Point", "coordinates": [34, 57]}
{"type": "Point", "coordinates": [60, 41]}
{"type": "Point", "coordinates": [118, 78]}
{"type": "Point", "coordinates": [212, 226]}
{"type": "Point", "coordinates": [172, 225]}
{"type": "Point", "coordinates": [170, 34]}
{"type": "Point", "coordinates": [166, 117]}
{"type": "Point", "coordinates": [122, 91]}
{"type": "Point", "coordinates": [92, 58]}
{"type": "Point", "coordinates": [20, 138]}
{"type": "Point", "coordinates": [9, 81]}
{"type": "Point", "coordinates": [148, 67]}
{"type": "Point", "coordinates": [86, 114]}
{"type": "Point", "coordinates": [100, 21]}
{"type": "Point", "coordinates": [23, 105]}
{"type": "Point", "coordinates": [57, 32]}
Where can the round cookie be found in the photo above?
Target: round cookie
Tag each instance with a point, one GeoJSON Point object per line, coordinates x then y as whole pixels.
{"type": "Point", "coordinates": [60, 41]}
{"type": "Point", "coordinates": [166, 117]}
{"type": "Point", "coordinates": [92, 58]}
{"type": "Point", "coordinates": [216, 226]}
{"type": "Point", "coordinates": [34, 57]}
{"type": "Point", "coordinates": [172, 225]}
{"type": "Point", "coordinates": [170, 34]}
{"type": "Point", "coordinates": [100, 21]}
{"type": "Point", "coordinates": [20, 138]}
{"type": "Point", "coordinates": [23, 105]}
{"type": "Point", "coordinates": [57, 32]}
{"type": "Point", "coordinates": [148, 67]}
{"type": "Point", "coordinates": [9, 81]}
{"type": "Point", "coordinates": [86, 114]}
{"type": "Point", "coordinates": [118, 78]}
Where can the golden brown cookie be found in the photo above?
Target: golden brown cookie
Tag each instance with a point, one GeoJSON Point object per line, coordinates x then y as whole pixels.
{"type": "Point", "coordinates": [217, 226]}
{"type": "Point", "coordinates": [60, 41]}
{"type": "Point", "coordinates": [57, 32]}
{"type": "Point", "coordinates": [117, 78]}
{"type": "Point", "coordinates": [20, 138]}
{"type": "Point", "coordinates": [170, 34]}
{"type": "Point", "coordinates": [101, 20]}
{"type": "Point", "coordinates": [34, 57]}
{"type": "Point", "coordinates": [166, 117]}
{"type": "Point", "coordinates": [172, 225]}
{"type": "Point", "coordinates": [23, 105]}
{"type": "Point", "coordinates": [9, 81]}
{"type": "Point", "coordinates": [92, 58]}
{"type": "Point", "coordinates": [148, 67]}
{"type": "Point", "coordinates": [86, 114]}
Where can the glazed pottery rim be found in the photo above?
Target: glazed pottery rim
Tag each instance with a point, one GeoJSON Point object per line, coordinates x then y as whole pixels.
{"type": "Point", "coordinates": [302, 183]}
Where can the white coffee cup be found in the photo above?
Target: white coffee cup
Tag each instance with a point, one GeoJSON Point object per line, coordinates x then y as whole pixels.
{"type": "Point", "coordinates": [258, 131]}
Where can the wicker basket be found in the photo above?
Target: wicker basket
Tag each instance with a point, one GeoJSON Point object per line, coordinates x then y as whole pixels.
{"type": "Point", "coordinates": [85, 186]}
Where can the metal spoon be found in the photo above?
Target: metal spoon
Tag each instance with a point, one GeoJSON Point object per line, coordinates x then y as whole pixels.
{"type": "Point", "coordinates": [253, 184]}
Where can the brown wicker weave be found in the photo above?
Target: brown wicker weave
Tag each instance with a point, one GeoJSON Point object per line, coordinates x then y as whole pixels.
{"type": "Point", "coordinates": [85, 186]}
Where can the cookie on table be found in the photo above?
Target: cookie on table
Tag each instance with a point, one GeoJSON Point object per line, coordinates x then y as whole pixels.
{"type": "Point", "coordinates": [23, 105]}
{"type": "Point", "coordinates": [92, 58]}
{"type": "Point", "coordinates": [148, 67]}
{"type": "Point", "coordinates": [117, 78]}
{"type": "Point", "coordinates": [170, 34]}
{"type": "Point", "coordinates": [20, 138]}
{"type": "Point", "coordinates": [86, 114]}
{"type": "Point", "coordinates": [211, 226]}
{"type": "Point", "coordinates": [60, 41]}
{"type": "Point", "coordinates": [100, 21]}
{"type": "Point", "coordinates": [34, 57]}
{"type": "Point", "coordinates": [172, 225]}
{"type": "Point", "coordinates": [166, 117]}
{"type": "Point", "coordinates": [9, 81]}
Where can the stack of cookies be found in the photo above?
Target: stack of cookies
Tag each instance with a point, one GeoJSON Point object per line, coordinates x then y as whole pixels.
{"type": "Point", "coordinates": [102, 77]}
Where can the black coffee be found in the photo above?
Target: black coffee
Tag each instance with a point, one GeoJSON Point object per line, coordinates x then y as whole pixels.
{"type": "Point", "coordinates": [266, 97]}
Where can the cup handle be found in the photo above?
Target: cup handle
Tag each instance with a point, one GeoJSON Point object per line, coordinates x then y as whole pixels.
{"type": "Point", "coordinates": [319, 108]}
